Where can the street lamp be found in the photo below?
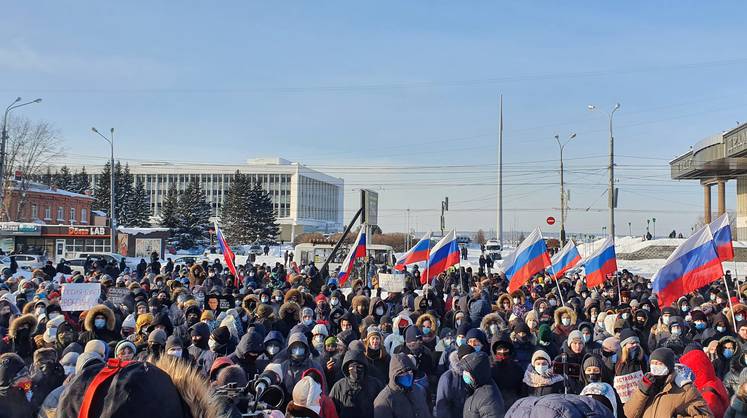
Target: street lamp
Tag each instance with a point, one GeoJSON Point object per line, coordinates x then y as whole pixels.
{"type": "Point", "coordinates": [562, 145]}
{"type": "Point", "coordinates": [112, 220]}
{"type": "Point", "coordinates": [654, 221]}
{"type": "Point", "coordinates": [630, 229]}
{"type": "Point", "coordinates": [611, 191]}
{"type": "Point", "coordinates": [4, 140]}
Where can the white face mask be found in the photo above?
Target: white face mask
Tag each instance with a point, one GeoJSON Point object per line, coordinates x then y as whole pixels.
{"type": "Point", "coordinates": [212, 344]}
{"type": "Point", "coordinates": [69, 370]}
{"type": "Point", "coordinates": [542, 368]}
{"type": "Point", "coordinates": [333, 301]}
{"type": "Point", "coordinates": [273, 349]}
{"type": "Point", "coordinates": [54, 315]}
{"type": "Point", "coordinates": [516, 300]}
{"type": "Point", "coordinates": [175, 352]}
{"type": "Point", "coordinates": [659, 370]}
{"type": "Point", "coordinates": [566, 321]}
{"type": "Point", "coordinates": [379, 311]}
{"type": "Point", "coordinates": [493, 329]}
{"type": "Point", "coordinates": [553, 302]}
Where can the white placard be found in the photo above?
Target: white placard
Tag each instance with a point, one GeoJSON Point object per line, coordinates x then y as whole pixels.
{"type": "Point", "coordinates": [393, 283]}
{"type": "Point", "coordinates": [80, 296]}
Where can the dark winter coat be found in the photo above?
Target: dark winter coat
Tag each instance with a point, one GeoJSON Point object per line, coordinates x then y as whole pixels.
{"type": "Point", "coordinates": [559, 406]}
{"type": "Point", "coordinates": [251, 342]}
{"type": "Point", "coordinates": [44, 382]}
{"type": "Point", "coordinates": [354, 399]}
{"type": "Point", "coordinates": [13, 403]}
{"type": "Point", "coordinates": [106, 334]}
{"type": "Point", "coordinates": [486, 400]}
{"type": "Point", "coordinates": [507, 375]}
{"type": "Point", "coordinates": [395, 401]}
{"type": "Point", "coordinates": [452, 391]}
{"type": "Point", "coordinates": [737, 409]}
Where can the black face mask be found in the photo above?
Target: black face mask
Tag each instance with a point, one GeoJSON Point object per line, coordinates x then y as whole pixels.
{"type": "Point", "coordinates": [192, 319]}
{"type": "Point", "coordinates": [356, 372]}
{"type": "Point", "coordinates": [594, 377]}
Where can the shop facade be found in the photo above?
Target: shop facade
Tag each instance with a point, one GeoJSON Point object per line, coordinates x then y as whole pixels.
{"type": "Point", "coordinates": [54, 241]}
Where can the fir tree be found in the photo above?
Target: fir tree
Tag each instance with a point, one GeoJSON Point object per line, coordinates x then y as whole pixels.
{"type": "Point", "coordinates": [169, 216]}
{"type": "Point", "coordinates": [123, 193]}
{"type": "Point", "coordinates": [80, 182]}
{"type": "Point", "coordinates": [139, 207]}
{"type": "Point", "coordinates": [102, 192]}
{"type": "Point", "coordinates": [235, 218]}
{"type": "Point", "coordinates": [193, 214]}
{"type": "Point", "coordinates": [262, 220]}
{"type": "Point", "coordinates": [46, 178]}
{"type": "Point", "coordinates": [63, 179]}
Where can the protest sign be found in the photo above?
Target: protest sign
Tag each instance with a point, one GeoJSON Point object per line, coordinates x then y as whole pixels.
{"type": "Point", "coordinates": [626, 384]}
{"type": "Point", "coordinates": [79, 296]}
{"type": "Point", "coordinates": [393, 283]}
{"type": "Point", "coordinates": [116, 295]}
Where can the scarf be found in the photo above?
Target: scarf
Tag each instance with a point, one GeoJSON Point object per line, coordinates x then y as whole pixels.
{"type": "Point", "coordinates": [536, 380]}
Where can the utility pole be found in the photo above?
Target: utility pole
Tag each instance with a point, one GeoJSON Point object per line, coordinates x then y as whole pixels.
{"type": "Point", "coordinates": [500, 176]}
{"type": "Point", "coordinates": [112, 218]}
{"type": "Point", "coordinates": [611, 192]}
{"type": "Point", "coordinates": [562, 188]}
{"type": "Point", "coordinates": [444, 208]}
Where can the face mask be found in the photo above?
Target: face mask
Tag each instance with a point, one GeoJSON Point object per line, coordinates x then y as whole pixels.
{"type": "Point", "coordinates": [460, 341]}
{"type": "Point", "coordinates": [646, 308]}
{"type": "Point", "coordinates": [685, 308]}
{"type": "Point", "coordinates": [404, 380]}
{"type": "Point", "coordinates": [728, 353]}
{"type": "Point", "coordinates": [448, 341]}
{"type": "Point", "coordinates": [566, 321]}
{"type": "Point", "coordinates": [273, 349]}
{"type": "Point", "coordinates": [713, 297]}
{"type": "Point", "coordinates": [553, 302]}
{"type": "Point", "coordinates": [426, 330]}
{"type": "Point", "coordinates": [587, 338]}
{"type": "Point", "coordinates": [676, 331]}
{"type": "Point", "coordinates": [264, 300]}
{"type": "Point", "coordinates": [493, 329]}
{"type": "Point", "coordinates": [625, 315]}
{"type": "Point", "coordinates": [467, 378]}
{"type": "Point", "coordinates": [212, 344]}
{"type": "Point", "coordinates": [594, 377]}
{"type": "Point", "coordinates": [721, 329]}
{"type": "Point", "coordinates": [477, 348]}
{"type": "Point", "coordinates": [308, 322]}
{"type": "Point", "coordinates": [739, 318]}
{"type": "Point", "coordinates": [700, 326]}
{"type": "Point", "coordinates": [542, 369]}
{"type": "Point", "coordinates": [298, 351]}
{"type": "Point", "coordinates": [334, 301]}
{"type": "Point", "coordinates": [69, 370]}
{"type": "Point", "coordinates": [39, 311]}
{"type": "Point", "coordinates": [613, 358]}
{"type": "Point", "coordinates": [659, 370]}
{"type": "Point", "coordinates": [379, 311]}
{"type": "Point", "coordinates": [99, 323]}
{"type": "Point", "coordinates": [175, 352]}
{"type": "Point", "coordinates": [516, 301]}
{"type": "Point", "coordinates": [665, 320]}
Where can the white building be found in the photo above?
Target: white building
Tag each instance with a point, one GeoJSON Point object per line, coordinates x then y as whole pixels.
{"type": "Point", "coordinates": [305, 200]}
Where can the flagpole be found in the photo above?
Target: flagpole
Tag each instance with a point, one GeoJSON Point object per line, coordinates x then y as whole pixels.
{"type": "Point", "coordinates": [557, 284]}
{"type": "Point", "coordinates": [731, 304]}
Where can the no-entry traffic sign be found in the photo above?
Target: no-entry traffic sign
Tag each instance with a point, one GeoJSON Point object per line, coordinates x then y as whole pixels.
{"type": "Point", "coordinates": [550, 220]}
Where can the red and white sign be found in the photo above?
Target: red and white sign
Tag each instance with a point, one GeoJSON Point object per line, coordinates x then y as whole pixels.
{"type": "Point", "coordinates": [550, 220]}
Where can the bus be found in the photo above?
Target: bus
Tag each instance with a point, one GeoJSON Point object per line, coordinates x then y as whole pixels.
{"type": "Point", "coordinates": [319, 252]}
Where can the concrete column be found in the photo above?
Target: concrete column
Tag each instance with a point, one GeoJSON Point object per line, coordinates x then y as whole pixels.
{"type": "Point", "coordinates": [721, 197]}
{"type": "Point", "coordinates": [741, 208]}
{"type": "Point", "coordinates": [707, 203]}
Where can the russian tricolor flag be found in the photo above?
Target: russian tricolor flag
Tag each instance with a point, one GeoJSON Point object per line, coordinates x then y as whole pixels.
{"type": "Point", "coordinates": [419, 252]}
{"type": "Point", "coordinates": [601, 263]}
{"type": "Point", "coordinates": [692, 265]}
{"type": "Point", "coordinates": [529, 258]}
{"type": "Point", "coordinates": [443, 255]}
{"type": "Point", "coordinates": [228, 255]}
{"type": "Point", "coordinates": [721, 231]}
{"type": "Point", "coordinates": [565, 259]}
{"type": "Point", "coordinates": [357, 251]}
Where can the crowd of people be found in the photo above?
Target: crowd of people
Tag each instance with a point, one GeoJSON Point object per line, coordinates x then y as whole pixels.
{"type": "Point", "coordinates": [283, 340]}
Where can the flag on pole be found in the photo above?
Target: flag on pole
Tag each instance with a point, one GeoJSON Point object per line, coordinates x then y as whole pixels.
{"type": "Point", "coordinates": [442, 256]}
{"type": "Point", "coordinates": [721, 231]}
{"type": "Point", "coordinates": [228, 255]}
{"type": "Point", "coordinates": [419, 252]}
{"type": "Point", "coordinates": [565, 259]}
{"type": "Point", "coordinates": [601, 263]}
{"type": "Point", "coordinates": [358, 250]}
{"type": "Point", "coordinates": [692, 265]}
{"type": "Point", "coordinates": [529, 258]}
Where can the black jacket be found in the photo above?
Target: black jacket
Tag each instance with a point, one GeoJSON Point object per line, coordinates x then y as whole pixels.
{"type": "Point", "coordinates": [486, 400]}
{"type": "Point", "coordinates": [354, 399]}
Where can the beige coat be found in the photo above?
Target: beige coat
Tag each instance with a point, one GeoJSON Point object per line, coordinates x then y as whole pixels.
{"type": "Point", "coordinates": [672, 401]}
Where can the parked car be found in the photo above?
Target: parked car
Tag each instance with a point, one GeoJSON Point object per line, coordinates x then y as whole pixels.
{"type": "Point", "coordinates": [256, 249]}
{"type": "Point", "coordinates": [108, 257]}
{"type": "Point", "coordinates": [29, 261]}
{"type": "Point", "coordinates": [77, 265]}
{"type": "Point", "coordinates": [4, 263]}
{"type": "Point", "coordinates": [181, 260]}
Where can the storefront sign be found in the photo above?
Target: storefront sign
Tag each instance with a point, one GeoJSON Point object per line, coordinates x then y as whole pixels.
{"type": "Point", "coordinates": [18, 228]}
{"type": "Point", "coordinates": [87, 230]}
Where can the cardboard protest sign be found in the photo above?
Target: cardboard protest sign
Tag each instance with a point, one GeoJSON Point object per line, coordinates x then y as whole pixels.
{"type": "Point", "coordinates": [626, 384]}
{"type": "Point", "coordinates": [393, 283]}
{"type": "Point", "coordinates": [117, 295]}
{"type": "Point", "coordinates": [79, 296]}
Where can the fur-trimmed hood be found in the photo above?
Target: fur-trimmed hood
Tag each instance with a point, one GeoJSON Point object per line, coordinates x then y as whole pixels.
{"type": "Point", "coordinates": [290, 308]}
{"type": "Point", "coordinates": [560, 311]}
{"type": "Point", "coordinates": [493, 317]}
{"type": "Point", "coordinates": [503, 298]}
{"type": "Point", "coordinates": [99, 310]}
{"type": "Point", "coordinates": [22, 320]}
{"type": "Point", "coordinates": [518, 293]}
{"type": "Point", "coordinates": [359, 300]}
{"type": "Point", "coordinates": [430, 317]}
{"type": "Point", "coordinates": [293, 294]}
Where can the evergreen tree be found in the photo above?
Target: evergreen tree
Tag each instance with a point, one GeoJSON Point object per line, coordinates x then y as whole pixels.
{"type": "Point", "coordinates": [63, 179]}
{"type": "Point", "coordinates": [236, 218]}
{"type": "Point", "coordinates": [46, 178]}
{"type": "Point", "coordinates": [262, 219]}
{"type": "Point", "coordinates": [139, 207]}
{"type": "Point", "coordinates": [102, 192]}
{"type": "Point", "coordinates": [80, 182]}
{"type": "Point", "coordinates": [123, 193]}
{"type": "Point", "coordinates": [193, 215]}
{"type": "Point", "coordinates": [169, 216]}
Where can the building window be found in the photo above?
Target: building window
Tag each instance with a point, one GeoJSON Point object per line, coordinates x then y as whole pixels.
{"type": "Point", "coordinates": [83, 216]}
{"type": "Point", "coordinates": [61, 214]}
{"type": "Point", "coordinates": [34, 212]}
{"type": "Point", "coordinates": [72, 216]}
{"type": "Point", "coordinates": [48, 213]}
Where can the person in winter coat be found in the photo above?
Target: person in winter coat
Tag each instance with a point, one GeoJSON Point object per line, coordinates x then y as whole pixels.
{"type": "Point", "coordinates": [47, 375]}
{"type": "Point", "coordinates": [571, 359]}
{"type": "Point", "coordinates": [631, 364]}
{"type": "Point", "coordinates": [506, 370]}
{"type": "Point", "coordinates": [539, 378]}
{"type": "Point", "coordinates": [328, 409]}
{"type": "Point", "coordinates": [732, 380]}
{"type": "Point", "coordinates": [306, 399]}
{"type": "Point", "coordinates": [99, 325]}
{"type": "Point", "coordinates": [14, 384]}
{"type": "Point", "coordinates": [738, 407]}
{"type": "Point", "coordinates": [709, 386]}
{"type": "Point", "coordinates": [378, 359]}
{"type": "Point", "coordinates": [401, 397]}
{"type": "Point", "coordinates": [664, 393]}
{"type": "Point", "coordinates": [565, 322]}
{"type": "Point", "coordinates": [250, 347]}
{"type": "Point", "coordinates": [200, 350]}
{"type": "Point", "coordinates": [559, 406]}
{"type": "Point", "coordinates": [354, 394]}
{"type": "Point", "coordinates": [19, 339]}
{"type": "Point", "coordinates": [523, 345]}
{"type": "Point", "coordinates": [452, 391]}
{"type": "Point", "coordinates": [295, 362]}
{"type": "Point", "coordinates": [726, 350]}
{"type": "Point", "coordinates": [485, 400]}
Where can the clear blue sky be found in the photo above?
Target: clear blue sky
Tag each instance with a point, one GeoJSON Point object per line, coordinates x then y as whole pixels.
{"type": "Point", "coordinates": [392, 85]}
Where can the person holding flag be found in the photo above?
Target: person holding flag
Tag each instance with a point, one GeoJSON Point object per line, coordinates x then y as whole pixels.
{"type": "Point", "coordinates": [565, 260]}
{"type": "Point", "coordinates": [358, 250]}
{"type": "Point", "coordinates": [529, 258]}
{"type": "Point", "coordinates": [228, 255]}
{"type": "Point", "coordinates": [442, 256]}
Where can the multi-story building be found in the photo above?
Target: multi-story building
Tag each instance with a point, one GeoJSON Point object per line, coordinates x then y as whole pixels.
{"type": "Point", "coordinates": [305, 200]}
{"type": "Point", "coordinates": [39, 203]}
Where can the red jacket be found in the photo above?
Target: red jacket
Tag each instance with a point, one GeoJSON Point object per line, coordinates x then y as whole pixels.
{"type": "Point", "coordinates": [328, 406]}
{"type": "Point", "coordinates": [709, 386]}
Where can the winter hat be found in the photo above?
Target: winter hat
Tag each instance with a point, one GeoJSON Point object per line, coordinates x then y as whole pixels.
{"type": "Point", "coordinates": [464, 350]}
{"type": "Point", "coordinates": [207, 315]}
{"type": "Point", "coordinates": [373, 330]}
{"type": "Point", "coordinates": [307, 394]}
{"type": "Point", "coordinates": [200, 329]}
{"type": "Point", "coordinates": [221, 335]}
{"type": "Point", "coordinates": [692, 346]}
{"type": "Point", "coordinates": [611, 344]}
{"type": "Point", "coordinates": [173, 341]}
{"type": "Point", "coordinates": [603, 393]}
{"type": "Point", "coordinates": [320, 329]}
{"type": "Point", "coordinates": [356, 345]}
{"type": "Point", "coordinates": [628, 336]}
{"type": "Point", "coordinates": [412, 333]}
{"type": "Point", "coordinates": [45, 355]}
{"type": "Point", "coordinates": [231, 374]}
{"type": "Point", "coordinates": [544, 333]}
{"type": "Point", "coordinates": [521, 327]}
{"type": "Point", "coordinates": [157, 336]}
{"type": "Point", "coordinates": [307, 312]}
{"type": "Point", "coordinates": [575, 335]}
{"type": "Point", "coordinates": [463, 329]}
{"type": "Point", "coordinates": [69, 359]}
{"type": "Point", "coordinates": [73, 347]}
{"type": "Point", "coordinates": [331, 341]}
{"type": "Point", "coordinates": [11, 366]}
{"type": "Point", "coordinates": [698, 315]}
{"type": "Point", "coordinates": [477, 334]}
{"type": "Point", "coordinates": [129, 322]}
{"type": "Point", "coordinates": [121, 345]}
{"type": "Point", "coordinates": [540, 354]}
{"type": "Point", "coordinates": [97, 347]}
{"type": "Point", "coordinates": [664, 355]}
{"type": "Point", "coordinates": [50, 334]}
{"type": "Point", "coordinates": [85, 360]}
{"type": "Point", "coordinates": [592, 360]}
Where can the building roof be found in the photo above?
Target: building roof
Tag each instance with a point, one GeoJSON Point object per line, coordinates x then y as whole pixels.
{"type": "Point", "coordinates": [43, 188]}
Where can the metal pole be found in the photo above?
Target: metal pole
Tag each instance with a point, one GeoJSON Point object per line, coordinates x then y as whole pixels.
{"type": "Point", "coordinates": [612, 176]}
{"type": "Point", "coordinates": [112, 189]}
{"type": "Point", "coordinates": [3, 141]}
{"type": "Point", "coordinates": [562, 198]}
{"type": "Point", "coordinates": [500, 176]}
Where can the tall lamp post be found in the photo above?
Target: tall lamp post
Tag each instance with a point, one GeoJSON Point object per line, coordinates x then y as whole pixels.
{"type": "Point", "coordinates": [611, 191]}
{"type": "Point", "coordinates": [654, 221]}
{"type": "Point", "coordinates": [562, 145]}
{"type": "Point", "coordinates": [4, 140]}
{"type": "Point", "coordinates": [112, 220]}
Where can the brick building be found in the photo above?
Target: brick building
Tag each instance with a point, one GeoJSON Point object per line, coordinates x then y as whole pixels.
{"type": "Point", "coordinates": [45, 205]}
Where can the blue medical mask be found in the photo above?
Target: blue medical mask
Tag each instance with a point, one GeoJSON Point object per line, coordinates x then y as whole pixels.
{"type": "Point", "coordinates": [477, 348]}
{"type": "Point", "coordinates": [467, 378]}
{"type": "Point", "coordinates": [99, 323]}
{"type": "Point", "coordinates": [700, 326]}
{"type": "Point", "coordinates": [460, 341]}
{"type": "Point", "coordinates": [426, 330]}
{"type": "Point", "coordinates": [728, 353]}
{"type": "Point", "coordinates": [613, 358]}
{"type": "Point", "coordinates": [721, 329]}
{"type": "Point", "coordinates": [587, 338]}
{"type": "Point", "coordinates": [404, 380]}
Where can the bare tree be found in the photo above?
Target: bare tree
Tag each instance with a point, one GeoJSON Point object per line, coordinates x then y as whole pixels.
{"type": "Point", "coordinates": [30, 148]}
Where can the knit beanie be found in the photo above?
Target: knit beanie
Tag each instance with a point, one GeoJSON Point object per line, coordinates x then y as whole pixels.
{"type": "Point", "coordinates": [69, 359]}
{"type": "Point", "coordinates": [174, 341]}
{"type": "Point", "coordinates": [463, 329]}
{"type": "Point", "coordinates": [231, 374]}
{"type": "Point", "coordinates": [85, 360]}
{"type": "Point", "coordinates": [221, 335]}
{"type": "Point", "coordinates": [307, 394]}
{"type": "Point", "coordinates": [129, 322]}
{"type": "Point", "coordinates": [97, 347]}
{"type": "Point", "coordinates": [664, 355]}
{"type": "Point", "coordinates": [521, 327]}
{"type": "Point", "coordinates": [121, 345]}
{"type": "Point", "coordinates": [540, 354]}
{"type": "Point", "coordinates": [628, 336]}
{"type": "Point", "coordinates": [544, 333]}
{"type": "Point", "coordinates": [692, 346]}
{"type": "Point", "coordinates": [412, 333]}
{"type": "Point", "coordinates": [611, 344]}
{"type": "Point", "coordinates": [464, 350]}
{"type": "Point", "coordinates": [575, 335]}
{"type": "Point", "coordinates": [320, 329]}
{"type": "Point", "coordinates": [157, 336]}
